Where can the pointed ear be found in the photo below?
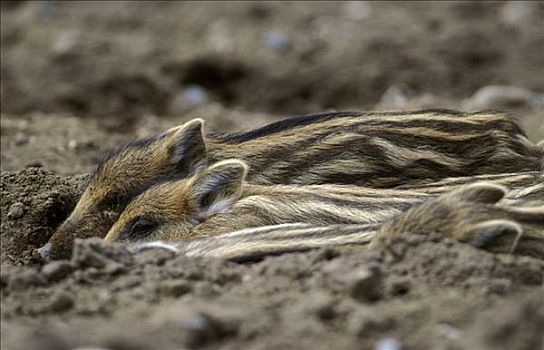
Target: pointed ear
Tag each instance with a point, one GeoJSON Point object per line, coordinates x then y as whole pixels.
{"type": "Point", "coordinates": [185, 147]}
{"type": "Point", "coordinates": [496, 235]}
{"type": "Point", "coordinates": [481, 192]}
{"type": "Point", "coordinates": [219, 186]}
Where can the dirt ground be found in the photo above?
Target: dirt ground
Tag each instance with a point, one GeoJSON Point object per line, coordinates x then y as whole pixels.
{"type": "Point", "coordinates": [78, 79]}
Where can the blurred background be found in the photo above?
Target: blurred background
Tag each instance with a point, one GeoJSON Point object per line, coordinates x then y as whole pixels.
{"type": "Point", "coordinates": [78, 78]}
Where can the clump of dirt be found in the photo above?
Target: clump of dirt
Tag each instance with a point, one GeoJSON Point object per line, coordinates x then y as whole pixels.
{"type": "Point", "coordinates": [34, 202]}
{"type": "Point", "coordinates": [414, 292]}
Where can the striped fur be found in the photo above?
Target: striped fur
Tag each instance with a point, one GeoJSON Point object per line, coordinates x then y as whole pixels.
{"type": "Point", "coordinates": [475, 219]}
{"type": "Point", "coordinates": [517, 181]}
{"type": "Point", "coordinates": [374, 149]}
{"type": "Point", "coordinates": [172, 212]}
{"type": "Point", "coordinates": [254, 243]}
{"type": "Point", "coordinates": [470, 214]}
{"type": "Point", "coordinates": [386, 149]}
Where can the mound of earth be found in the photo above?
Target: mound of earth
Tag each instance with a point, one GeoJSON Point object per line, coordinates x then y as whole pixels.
{"type": "Point", "coordinates": [413, 294]}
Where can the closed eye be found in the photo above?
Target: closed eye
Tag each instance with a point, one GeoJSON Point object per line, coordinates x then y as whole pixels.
{"type": "Point", "coordinates": [139, 229]}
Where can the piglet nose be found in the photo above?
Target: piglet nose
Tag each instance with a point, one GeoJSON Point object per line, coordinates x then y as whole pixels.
{"type": "Point", "coordinates": [45, 251]}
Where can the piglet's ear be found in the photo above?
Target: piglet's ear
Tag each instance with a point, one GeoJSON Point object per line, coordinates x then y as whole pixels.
{"type": "Point", "coordinates": [495, 235]}
{"type": "Point", "coordinates": [216, 188]}
{"type": "Point", "coordinates": [185, 147]}
{"type": "Point", "coordinates": [480, 192]}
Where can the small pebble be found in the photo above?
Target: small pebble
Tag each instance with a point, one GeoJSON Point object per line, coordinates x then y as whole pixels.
{"type": "Point", "coordinates": [388, 344]}
{"type": "Point", "coordinates": [16, 210]}
{"type": "Point", "coordinates": [21, 138]}
{"type": "Point", "coordinates": [199, 323]}
{"type": "Point", "coordinates": [75, 145]}
{"type": "Point", "coordinates": [201, 329]}
{"type": "Point", "coordinates": [194, 96]}
{"type": "Point", "coordinates": [72, 144]}
{"type": "Point", "coordinates": [276, 40]}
